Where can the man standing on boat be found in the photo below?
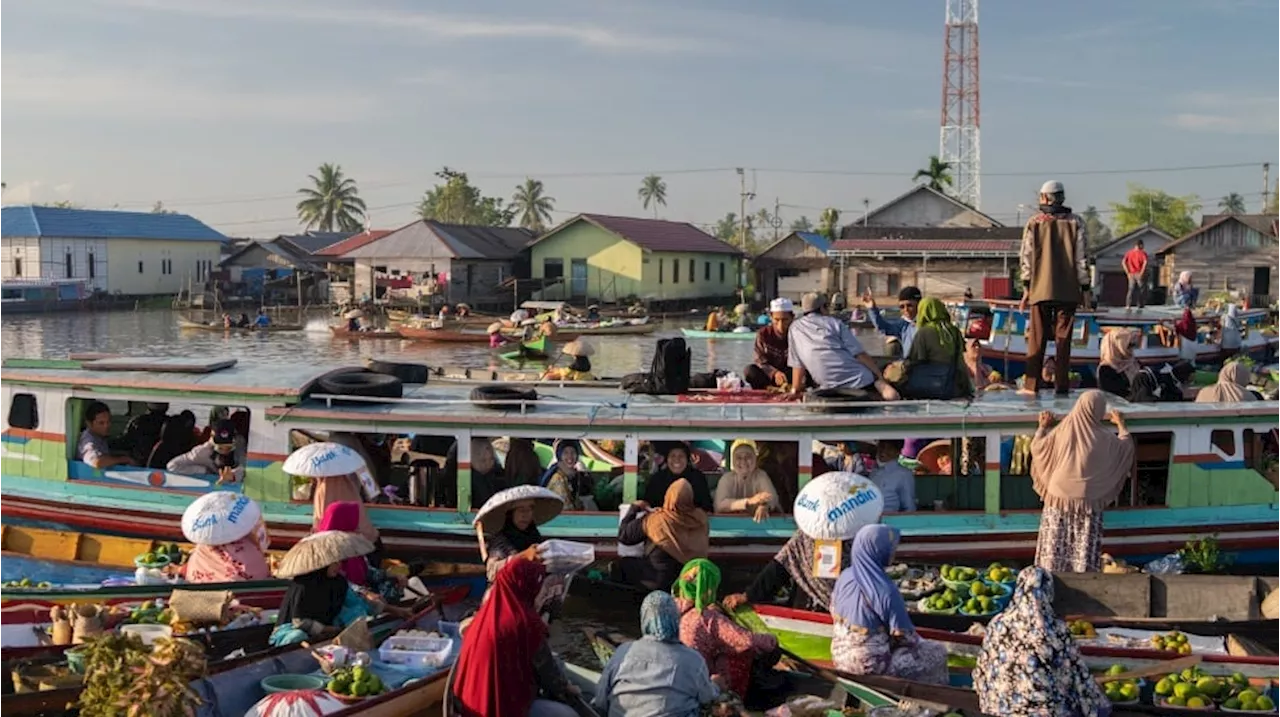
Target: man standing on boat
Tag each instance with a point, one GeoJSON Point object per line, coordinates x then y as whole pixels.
{"type": "Point", "coordinates": [1135, 267]}
{"type": "Point", "coordinates": [823, 347]}
{"type": "Point", "coordinates": [1055, 279]}
{"type": "Point", "coordinates": [904, 329]}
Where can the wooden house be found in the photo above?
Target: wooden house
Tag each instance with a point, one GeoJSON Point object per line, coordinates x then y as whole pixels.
{"type": "Point", "coordinates": [1230, 252]}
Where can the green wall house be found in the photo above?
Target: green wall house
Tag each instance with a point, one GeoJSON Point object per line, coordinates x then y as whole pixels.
{"type": "Point", "coordinates": [610, 258]}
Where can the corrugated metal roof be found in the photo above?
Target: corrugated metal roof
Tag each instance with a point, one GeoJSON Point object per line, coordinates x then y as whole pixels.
{"type": "Point", "coordinates": [815, 240]}
{"type": "Point", "coordinates": [65, 223]}
{"type": "Point", "coordinates": [424, 239]}
{"type": "Point", "coordinates": [353, 242]}
{"type": "Point", "coordinates": [313, 242]}
{"type": "Point", "coordinates": [660, 235]}
{"type": "Point", "coordinates": [859, 232]}
{"type": "Point", "coordinates": [925, 245]}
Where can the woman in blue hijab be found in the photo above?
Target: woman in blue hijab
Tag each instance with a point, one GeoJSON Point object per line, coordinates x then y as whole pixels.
{"type": "Point", "coordinates": [873, 634]}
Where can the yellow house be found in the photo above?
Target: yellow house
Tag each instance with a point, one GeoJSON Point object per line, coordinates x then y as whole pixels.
{"type": "Point", "coordinates": [612, 258]}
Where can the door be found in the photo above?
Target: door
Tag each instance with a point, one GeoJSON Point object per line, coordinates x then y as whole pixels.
{"type": "Point", "coordinates": [578, 277]}
{"type": "Point", "coordinates": [1115, 288]}
{"type": "Point", "coordinates": [1261, 280]}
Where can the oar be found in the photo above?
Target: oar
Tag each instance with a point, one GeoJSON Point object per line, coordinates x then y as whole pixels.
{"type": "Point", "coordinates": [1160, 668]}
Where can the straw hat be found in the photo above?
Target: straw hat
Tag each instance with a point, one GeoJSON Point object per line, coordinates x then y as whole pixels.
{"type": "Point", "coordinates": [495, 327]}
{"type": "Point", "coordinates": [493, 514]}
{"type": "Point", "coordinates": [929, 455]}
{"type": "Point", "coordinates": [320, 550]}
{"type": "Point", "coordinates": [354, 314]}
{"type": "Point", "coordinates": [578, 348]}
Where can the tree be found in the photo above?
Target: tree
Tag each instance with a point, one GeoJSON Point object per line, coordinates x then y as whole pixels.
{"type": "Point", "coordinates": [1233, 203]}
{"type": "Point", "coordinates": [333, 203]}
{"type": "Point", "coordinates": [802, 225]}
{"type": "Point", "coordinates": [727, 228]}
{"type": "Point", "coordinates": [829, 223]}
{"type": "Point", "coordinates": [1096, 229]}
{"type": "Point", "coordinates": [532, 206]}
{"type": "Point", "coordinates": [1169, 214]}
{"type": "Point", "coordinates": [60, 204]}
{"type": "Point", "coordinates": [456, 201]}
{"type": "Point", "coordinates": [767, 221]}
{"type": "Point", "coordinates": [158, 208]}
{"type": "Point", "coordinates": [653, 191]}
{"type": "Point", "coordinates": [938, 174]}
{"type": "Point", "coordinates": [1271, 202]}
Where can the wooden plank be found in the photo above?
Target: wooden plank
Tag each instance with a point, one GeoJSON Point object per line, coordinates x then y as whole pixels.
{"type": "Point", "coordinates": [1231, 597]}
{"type": "Point", "coordinates": [163, 365]}
{"type": "Point", "coordinates": [1102, 595]}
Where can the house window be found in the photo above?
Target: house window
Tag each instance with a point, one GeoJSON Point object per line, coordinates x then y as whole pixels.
{"type": "Point", "coordinates": [23, 413]}
{"type": "Point", "coordinates": [722, 272]}
{"type": "Point", "coordinates": [553, 268]}
{"type": "Point", "coordinates": [865, 283]}
{"type": "Point", "coordinates": [67, 265]}
{"type": "Point", "coordinates": [139, 267]}
{"type": "Point", "coordinates": [894, 284]}
{"type": "Point", "coordinates": [662, 265]}
{"type": "Point", "coordinates": [706, 271]}
{"type": "Point", "coordinates": [675, 271]}
{"type": "Point", "coordinates": [93, 270]}
{"type": "Point", "coordinates": [693, 271]}
{"type": "Point", "coordinates": [17, 266]}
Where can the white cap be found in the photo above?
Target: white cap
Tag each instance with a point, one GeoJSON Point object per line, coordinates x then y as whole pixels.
{"type": "Point", "coordinates": [1052, 186]}
{"type": "Point", "coordinates": [781, 306]}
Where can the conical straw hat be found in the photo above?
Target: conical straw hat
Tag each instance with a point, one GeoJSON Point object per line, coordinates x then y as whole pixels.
{"type": "Point", "coordinates": [493, 514]}
{"type": "Point", "coordinates": [320, 550]}
{"type": "Point", "coordinates": [495, 327]}
{"type": "Point", "coordinates": [578, 348]}
{"type": "Point", "coordinates": [354, 314]}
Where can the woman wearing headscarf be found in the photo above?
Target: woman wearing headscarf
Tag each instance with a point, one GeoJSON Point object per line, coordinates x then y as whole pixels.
{"type": "Point", "coordinates": [728, 648]}
{"type": "Point", "coordinates": [1077, 468]}
{"type": "Point", "coordinates": [872, 633]}
{"type": "Point", "coordinates": [1232, 386]}
{"type": "Point", "coordinates": [792, 570]}
{"type": "Point", "coordinates": [1183, 292]}
{"type": "Point", "coordinates": [745, 488]}
{"type": "Point", "coordinates": [345, 516]}
{"type": "Point", "coordinates": [518, 538]}
{"type": "Point", "coordinates": [486, 474]}
{"type": "Point", "coordinates": [676, 467]}
{"type": "Point", "coordinates": [655, 675]}
{"type": "Point", "coordinates": [505, 662]}
{"type": "Point", "coordinates": [522, 466]}
{"type": "Point", "coordinates": [1231, 329]}
{"type": "Point", "coordinates": [1030, 664]}
{"type": "Point", "coordinates": [936, 350]}
{"type": "Point", "coordinates": [676, 533]}
{"type": "Point", "coordinates": [979, 372]}
{"type": "Point", "coordinates": [1117, 366]}
{"type": "Point", "coordinates": [242, 558]}
{"type": "Point", "coordinates": [565, 476]}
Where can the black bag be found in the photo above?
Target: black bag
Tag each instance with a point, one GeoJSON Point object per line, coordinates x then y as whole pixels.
{"type": "Point", "coordinates": [672, 365]}
{"type": "Point", "coordinates": [932, 380]}
{"type": "Point", "coordinates": [708, 379]}
{"type": "Point", "coordinates": [637, 383]}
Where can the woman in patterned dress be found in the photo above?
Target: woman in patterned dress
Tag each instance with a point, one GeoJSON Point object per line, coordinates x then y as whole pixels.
{"type": "Point", "coordinates": [872, 633]}
{"type": "Point", "coordinates": [1030, 665]}
{"type": "Point", "coordinates": [728, 648]}
{"type": "Point", "coordinates": [1077, 468]}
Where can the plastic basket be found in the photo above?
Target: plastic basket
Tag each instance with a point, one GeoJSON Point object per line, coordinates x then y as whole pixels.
{"type": "Point", "coordinates": [423, 652]}
{"type": "Point", "coordinates": [930, 611]}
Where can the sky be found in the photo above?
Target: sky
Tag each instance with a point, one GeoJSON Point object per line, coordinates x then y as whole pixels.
{"type": "Point", "coordinates": [221, 108]}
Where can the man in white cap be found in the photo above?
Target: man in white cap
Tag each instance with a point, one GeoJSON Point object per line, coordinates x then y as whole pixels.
{"type": "Point", "coordinates": [769, 367]}
{"type": "Point", "coordinates": [1055, 280]}
{"type": "Point", "coordinates": [823, 348]}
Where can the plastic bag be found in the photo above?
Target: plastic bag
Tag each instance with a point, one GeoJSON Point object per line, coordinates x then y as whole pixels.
{"type": "Point", "coordinates": [566, 556]}
{"type": "Point", "coordinates": [1170, 564]}
{"type": "Point", "coordinates": [729, 382]}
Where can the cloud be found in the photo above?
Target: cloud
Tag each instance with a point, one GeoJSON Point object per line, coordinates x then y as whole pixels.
{"type": "Point", "coordinates": [1226, 113]}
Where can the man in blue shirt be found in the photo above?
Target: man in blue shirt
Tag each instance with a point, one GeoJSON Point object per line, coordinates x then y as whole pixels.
{"type": "Point", "coordinates": [903, 329]}
{"type": "Point", "coordinates": [896, 482]}
{"type": "Point", "coordinates": [263, 320]}
{"type": "Point", "coordinates": [823, 348]}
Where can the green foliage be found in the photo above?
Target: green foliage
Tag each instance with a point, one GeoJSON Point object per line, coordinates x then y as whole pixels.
{"type": "Point", "coordinates": [1271, 203]}
{"type": "Point", "coordinates": [60, 204]}
{"type": "Point", "coordinates": [937, 174]}
{"type": "Point", "coordinates": [829, 223]}
{"type": "Point", "coordinates": [653, 191]}
{"type": "Point", "coordinates": [1203, 556]}
{"type": "Point", "coordinates": [457, 201]}
{"type": "Point", "coordinates": [802, 225]}
{"type": "Point", "coordinates": [1233, 203]}
{"type": "Point", "coordinates": [1170, 214]}
{"type": "Point", "coordinates": [125, 678]}
{"type": "Point", "coordinates": [1096, 229]}
{"type": "Point", "coordinates": [158, 208]}
{"type": "Point", "coordinates": [332, 203]}
{"type": "Point", "coordinates": [532, 205]}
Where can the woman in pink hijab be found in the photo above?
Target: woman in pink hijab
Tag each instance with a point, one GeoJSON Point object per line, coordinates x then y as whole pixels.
{"type": "Point", "coordinates": [345, 516]}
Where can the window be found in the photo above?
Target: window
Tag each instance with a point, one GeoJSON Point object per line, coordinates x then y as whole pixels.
{"type": "Point", "coordinates": [67, 265]}
{"type": "Point", "coordinates": [17, 266]}
{"type": "Point", "coordinates": [894, 284]}
{"type": "Point", "coordinates": [23, 413]}
{"type": "Point", "coordinates": [722, 272]}
{"type": "Point", "coordinates": [865, 283]}
{"type": "Point", "coordinates": [553, 268]}
{"type": "Point", "coordinates": [139, 267]}
{"type": "Point", "coordinates": [675, 271]}
{"type": "Point", "coordinates": [693, 271]}
{"type": "Point", "coordinates": [662, 264]}
{"type": "Point", "coordinates": [93, 270]}
{"type": "Point", "coordinates": [706, 271]}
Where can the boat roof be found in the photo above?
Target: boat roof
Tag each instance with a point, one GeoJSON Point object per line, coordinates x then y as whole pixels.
{"type": "Point", "coordinates": [221, 376]}
{"type": "Point", "coordinates": [595, 408]}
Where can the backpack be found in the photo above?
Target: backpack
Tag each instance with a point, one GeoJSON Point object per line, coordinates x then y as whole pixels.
{"type": "Point", "coordinates": [672, 365]}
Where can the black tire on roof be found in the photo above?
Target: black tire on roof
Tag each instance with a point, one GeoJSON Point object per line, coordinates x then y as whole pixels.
{"type": "Point", "coordinates": [502, 396]}
{"type": "Point", "coordinates": [407, 372]}
{"type": "Point", "coordinates": [361, 383]}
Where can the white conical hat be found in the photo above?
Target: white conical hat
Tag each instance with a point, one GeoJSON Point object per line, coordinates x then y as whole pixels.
{"type": "Point", "coordinates": [320, 550]}
{"type": "Point", "coordinates": [323, 460]}
{"type": "Point", "coordinates": [493, 514]}
{"type": "Point", "coordinates": [219, 518]}
{"type": "Point", "coordinates": [836, 505]}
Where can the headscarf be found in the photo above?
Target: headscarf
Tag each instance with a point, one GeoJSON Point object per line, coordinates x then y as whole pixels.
{"type": "Point", "coordinates": [1186, 325]}
{"type": "Point", "coordinates": [679, 528]}
{"type": "Point", "coordinates": [1078, 463]}
{"type": "Point", "coordinates": [864, 595]}
{"type": "Point", "coordinates": [345, 516]}
{"type": "Point", "coordinates": [1185, 278]}
{"type": "Point", "coordinates": [238, 560]}
{"type": "Point", "coordinates": [338, 489]}
{"type": "Point", "coordinates": [699, 583]}
{"type": "Point", "coordinates": [494, 675]}
{"type": "Point", "coordinates": [1231, 318]}
{"type": "Point", "coordinates": [560, 447]}
{"type": "Point", "coordinates": [1117, 354]}
{"type": "Point", "coordinates": [659, 617]}
{"type": "Point", "coordinates": [797, 558]}
{"type": "Point", "coordinates": [519, 539]}
{"type": "Point", "coordinates": [481, 446]}
{"type": "Point", "coordinates": [1029, 662]}
{"type": "Point", "coordinates": [933, 312]}
{"type": "Point", "coordinates": [1232, 386]}
{"type": "Point", "coordinates": [522, 466]}
{"type": "Point", "coordinates": [314, 596]}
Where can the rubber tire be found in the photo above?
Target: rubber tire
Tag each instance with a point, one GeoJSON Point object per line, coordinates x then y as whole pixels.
{"type": "Point", "coordinates": [362, 383]}
{"type": "Point", "coordinates": [482, 395]}
{"type": "Point", "coordinates": [839, 400]}
{"type": "Point", "coordinates": [415, 373]}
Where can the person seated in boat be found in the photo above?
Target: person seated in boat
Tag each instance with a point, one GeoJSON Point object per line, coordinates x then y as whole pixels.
{"type": "Point", "coordinates": [769, 367]}
{"type": "Point", "coordinates": [676, 533]}
{"type": "Point", "coordinates": [354, 325]}
{"type": "Point", "coordinates": [655, 675]}
{"type": "Point", "coordinates": [227, 322]}
{"type": "Point", "coordinates": [935, 366]}
{"type": "Point", "coordinates": [443, 314]}
{"type": "Point", "coordinates": [896, 482]}
{"type": "Point", "coordinates": [739, 658]}
{"type": "Point", "coordinates": [968, 294]}
{"type": "Point", "coordinates": [521, 466]}
{"type": "Point", "coordinates": [463, 311]}
{"type": "Point", "coordinates": [675, 467]}
{"type": "Point", "coordinates": [343, 488]}
{"type": "Point", "coordinates": [593, 312]}
{"type": "Point", "coordinates": [92, 446]}
{"type": "Point", "coordinates": [360, 571]}
{"type": "Point", "coordinates": [243, 322]}
{"type": "Point", "coordinates": [1118, 368]}
{"type": "Point", "coordinates": [487, 479]}
{"type": "Point", "coordinates": [980, 374]}
{"type": "Point", "coordinates": [745, 488]}
{"type": "Point", "coordinates": [1230, 330]}
{"type": "Point", "coordinates": [823, 348]}
{"type": "Point", "coordinates": [716, 320]}
{"type": "Point", "coordinates": [222, 455]}
{"type": "Point", "coordinates": [243, 555]}
{"type": "Point", "coordinates": [263, 320]}
{"type": "Point", "coordinates": [935, 459]}
{"type": "Point", "coordinates": [1030, 663]}
{"type": "Point", "coordinates": [496, 339]}
{"type": "Point", "coordinates": [1232, 386]}
{"type": "Point", "coordinates": [903, 329]}
{"type": "Point", "coordinates": [567, 477]}
{"type": "Point", "coordinates": [1184, 292]}
{"type": "Point", "coordinates": [510, 524]}
{"type": "Point", "coordinates": [872, 633]}
{"type": "Point", "coordinates": [579, 369]}
{"type": "Point", "coordinates": [847, 456]}
{"type": "Point", "coordinates": [144, 431]}
{"type": "Point", "coordinates": [1077, 468]}
{"type": "Point", "coordinates": [838, 302]}
{"type": "Point", "coordinates": [506, 667]}
{"type": "Point", "coordinates": [792, 570]}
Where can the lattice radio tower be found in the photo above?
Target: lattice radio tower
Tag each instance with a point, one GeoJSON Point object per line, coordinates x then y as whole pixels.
{"type": "Point", "coordinates": [959, 142]}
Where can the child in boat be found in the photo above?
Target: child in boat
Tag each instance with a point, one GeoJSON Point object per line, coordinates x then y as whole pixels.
{"type": "Point", "coordinates": [580, 369]}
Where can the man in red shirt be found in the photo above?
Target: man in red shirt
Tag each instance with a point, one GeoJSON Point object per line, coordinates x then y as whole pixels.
{"type": "Point", "coordinates": [1135, 267]}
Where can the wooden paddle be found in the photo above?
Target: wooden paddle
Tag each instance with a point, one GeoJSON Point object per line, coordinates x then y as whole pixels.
{"type": "Point", "coordinates": [1160, 668]}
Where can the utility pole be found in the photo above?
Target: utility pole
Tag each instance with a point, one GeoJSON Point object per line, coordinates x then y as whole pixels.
{"type": "Point", "coordinates": [1266, 184]}
{"type": "Point", "coordinates": [866, 210]}
{"type": "Point", "coordinates": [744, 195]}
{"type": "Point", "coordinates": [777, 217]}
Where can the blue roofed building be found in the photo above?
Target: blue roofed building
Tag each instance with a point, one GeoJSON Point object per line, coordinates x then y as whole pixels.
{"type": "Point", "coordinates": [125, 253]}
{"type": "Point", "coordinates": [793, 266]}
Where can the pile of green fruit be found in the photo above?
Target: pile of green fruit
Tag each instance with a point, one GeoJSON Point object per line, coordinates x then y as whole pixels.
{"type": "Point", "coordinates": [998, 573]}
{"type": "Point", "coordinates": [1173, 642]}
{"type": "Point", "coordinates": [1082, 628]}
{"type": "Point", "coordinates": [25, 584]}
{"type": "Point", "coordinates": [1195, 689]}
{"type": "Point", "coordinates": [981, 605]}
{"type": "Point", "coordinates": [946, 600]}
{"type": "Point", "coordinates": [355, 682]}
{"type": "Point", "coordinates": [164, 554]}
{"type": "Point", "coordinates": [1248, 700]}
{"type": "Point", "coordinates": [1121, 690]}
{"type": "Point", "coordinates": [149, 613]}
{"type": "Point", "coordinates": [958, 573]}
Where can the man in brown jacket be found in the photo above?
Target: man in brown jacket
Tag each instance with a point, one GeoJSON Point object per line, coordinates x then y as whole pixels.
{"type": "Point", "coordinates": [1055, 280]}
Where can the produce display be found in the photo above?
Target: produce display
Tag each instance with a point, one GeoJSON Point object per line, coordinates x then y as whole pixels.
{"type": "Point", "coordinates": [355, 682]}
{"type": "Point", "coordinates": [1194, 689]}
{"type": "Point", "coordinates": [1121, 690]}
{"type": "Point", "coordinates": [958, 573]}
{"type": "Point", "coordinates": [25, 584]}
{"type": "Point", "coordinates": [1082, 628]}
{"type": "Point", "coordinates": [939, 602]}
{"type": "Point", "coordinates": [998, 573]}
{"type": "Point", "coordinates": [164, 554]}
{"type": "Point", "coordinates": [149, 613]}
{"type": "Point", "coordinates": [1173, 642]}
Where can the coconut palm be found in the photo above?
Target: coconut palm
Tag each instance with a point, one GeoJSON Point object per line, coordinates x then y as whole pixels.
{"type": "Point", "coordinates": [532, 206]}
{"type": "Point", "coordinates": [1233, 203]}
{"type": "Point", "coordinates": [828, 221]}
{"type": "Point", "coordinates": [653, 191]}
{"type": "Point", "coordinates": [938, 174]}
{"type": "Point", "coordinates": [333, 204]}
{"type": "Point", "coordinates": [802, 225]}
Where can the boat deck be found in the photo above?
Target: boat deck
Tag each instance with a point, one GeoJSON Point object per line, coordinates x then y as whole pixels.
{"type": "Point", "coordinates": [214, 375]}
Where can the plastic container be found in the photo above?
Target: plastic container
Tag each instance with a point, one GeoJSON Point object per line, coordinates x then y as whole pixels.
{"type": "Point", "coordinates": [288, 683]}
{"type": "Point", "coordinates": [423, 652]}
{"type": "Point", "coordinates": [161, 561]}
{"type": "Point", "coordinates": [980, 614]}
{"type": "Point", "coordinates": [148, 633]}
{"type": "Point", "coordinates": [925, 609]}
{"type": "Point", "coordinates": [566, 556]}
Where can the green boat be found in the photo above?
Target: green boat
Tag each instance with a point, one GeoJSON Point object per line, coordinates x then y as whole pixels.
{"type": "Point", "coordinates": [531, 349]}
{"type": "Point", "coordinates": [731, 335]}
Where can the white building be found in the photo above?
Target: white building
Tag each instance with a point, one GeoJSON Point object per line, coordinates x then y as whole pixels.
{"type": "Point", "coordinates": [127, 253]}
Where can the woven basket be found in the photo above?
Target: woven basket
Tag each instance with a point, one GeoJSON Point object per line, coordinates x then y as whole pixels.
{"type": "Point", "coordinates": [201, 607]}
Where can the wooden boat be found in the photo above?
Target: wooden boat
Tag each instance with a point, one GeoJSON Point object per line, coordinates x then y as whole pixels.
{"type": "Point", "coordinates": [1211, 487]}
{"type": "Point", "coordinates": [449, 336]}
{"type": "Point", "coordinates": [342, 332]}
{"type": "Point", "coordinates": [568, 332]}
{"type": "Point", "coordinates": [719, 335]}
{"type": "Point", "coordinates": [536, 348]}
{"type": "Point", "coordinates": [187, 324]}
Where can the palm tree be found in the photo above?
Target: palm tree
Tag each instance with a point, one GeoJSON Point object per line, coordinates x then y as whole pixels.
{"type": "Point", "coordinates": [653, 191]}
{"type": "Point", "coordinates": [938, 174]}
{"type": "Point", "coordinates": [1233, 203]}
{"type": "Point", "coordinates": [532, 206]}
{"type": "Point", "coordinates": [802, 225]}
{"type": "Point", "coordinates": [828, 221]}
{"type": "Point", "coordinates": [333, 204]}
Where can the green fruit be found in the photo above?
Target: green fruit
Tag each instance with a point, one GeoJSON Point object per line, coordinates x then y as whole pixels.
{"type": "Point", "coordinates": [1264, 704]}
{"type": "Point", "coordinates": [1208, 686]}
{"type": "Point", "coordinates": [1232, 704]}
{"type": "Point", "coordinates": [1238, 678]}
{"type": "Point", "coordinates": [971, 605]}
{"type": "Point", "coordinates": [1129, 692]}
{"type": "Point", "coordinates": [1188, 675]}
{"type": "Point", "coordinates": [1196, 702]}
{"type": "Point", "coordinates": [1174, 677]}
{"type": "Point", "coordinates": [1177, 701]}
{"type": "Point", "coordinates": [1248, 696]}
{"type": "Point", "coordinates": [985, 602]}
{"type": "Point", "coordinates": [1115, 670]}
{"type": "Point", "coordinates": [976, 589]}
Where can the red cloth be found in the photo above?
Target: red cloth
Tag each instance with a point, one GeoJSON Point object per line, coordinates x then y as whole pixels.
{"type": "Point", "coordinates": [345, 516]}
{"type": "Point", "coordinates": [1135, 261]}
{"type": "Point", "coordinates": [749, 395]}
{"type": "Point", "coordinates": [494, 676]}
{"type": "Point", "coordinates": [1186, 326]}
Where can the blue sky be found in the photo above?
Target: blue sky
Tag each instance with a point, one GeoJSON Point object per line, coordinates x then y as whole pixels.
{"type": "Point", "coordinates": [220, 108]}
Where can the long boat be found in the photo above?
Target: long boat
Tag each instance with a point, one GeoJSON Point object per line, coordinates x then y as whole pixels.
{"type": "Point", "coordinates": [342, 332]}
{"type": "Point", "coordinates": [449, 336]}
{"type": "Point", "coordinates": [1212, 485]}
{"type": "Point", "coordinates": [719, 335]}
{"type": "Point", "coordinates": [187, 324]}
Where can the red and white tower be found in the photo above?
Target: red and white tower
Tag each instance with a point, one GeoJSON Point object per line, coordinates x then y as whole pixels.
{"type": "Point", "coordinates": [959, 141]}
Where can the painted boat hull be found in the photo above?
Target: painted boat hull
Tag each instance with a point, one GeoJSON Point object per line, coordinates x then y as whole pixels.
{"type": "Point", "coordinates": [32, 607]}
{"type": "Point", "coordinates": [274, 328]}
{"type": "Point", "coordinates": [343, 333]}
{"type": "Point", "coordinates": [443, 335]}
{"type": "Point", "coordinates": [719, 335]}
{"type": "Point", "coordinates": [568, 334]}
